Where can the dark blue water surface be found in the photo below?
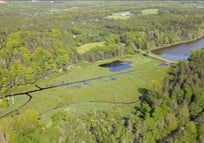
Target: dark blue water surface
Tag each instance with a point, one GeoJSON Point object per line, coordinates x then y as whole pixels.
{"type": "Point", "coordinates": [117, 65]}
{"type": "Point", "coordinates": [122, 66]}
{"type": "Point", "coordinates": [181, 51]}
{"type": "Point", "coordinates": [163, 65]}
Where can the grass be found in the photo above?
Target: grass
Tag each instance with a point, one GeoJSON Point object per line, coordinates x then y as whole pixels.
{"type": "Point", "coordinates": [19, 100]}
{"type": "Point", "coordinates": [22, 88]}
{"type": "Point", "coordinates": [86, 47]}
{"type": "Point", "coordinates": [119, 16]}
{"type": "Point", "coordinates": [98, 94]}
{"type": "Point", "coordinates": [149, 11]}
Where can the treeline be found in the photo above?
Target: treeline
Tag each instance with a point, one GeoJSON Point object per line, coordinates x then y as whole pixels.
{"type": "Point", "coordinates": [176, 113]}
{"type": "Point", "coordinates": [111, 48]}
{"type": "Point", "coordinates": [29, 56]}
{"type": "Point", "coordinates": [153, 31]}
{"type": "Point", "coordinates": [172, 114]}
{"type": "Point", "coordinates": [185, 83]}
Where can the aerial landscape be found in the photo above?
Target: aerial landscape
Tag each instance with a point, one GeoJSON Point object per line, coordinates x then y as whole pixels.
{"type": "Point", "coordinates": [101, 71]}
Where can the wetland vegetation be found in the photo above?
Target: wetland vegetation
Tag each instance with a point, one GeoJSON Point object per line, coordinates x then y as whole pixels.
{"type": "Point", "coordinates": [82, 71]}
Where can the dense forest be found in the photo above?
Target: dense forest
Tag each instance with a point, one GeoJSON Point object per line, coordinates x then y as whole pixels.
{"type": "Point", "coordinates": [40, 44]}
{"type": "Point", "coordinates": [39, 40]}
{"type": "Point", "coordinates": [173, 114]}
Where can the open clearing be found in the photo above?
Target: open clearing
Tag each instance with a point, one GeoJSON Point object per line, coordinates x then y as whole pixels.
{"type": "Point", "coordinates": [120, 15]}
{"type": "Point", "coordinates": [86, 47]}
{"type": "Point", "coordinates": [19, 101]}
{"type": "Point", "coordinates": [149, 11]}
{"type": "Point", "coordinates": [105, 91]}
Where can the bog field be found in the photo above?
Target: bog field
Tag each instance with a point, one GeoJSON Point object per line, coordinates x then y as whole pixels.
{"type": "Point", "coordinates": [88, 87]}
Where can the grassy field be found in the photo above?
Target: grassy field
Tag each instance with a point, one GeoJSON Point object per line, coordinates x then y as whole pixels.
{"type": "Point", "coordinates": [119, 15]}
{"type": "Point", "coordinates": [86, 47]}
{"type": "Point", "coordinates": [105, 91]}
{"type": "Point", "coordinates": [149, 11]}
{"type": "Point", "coordinates": [19, 100]}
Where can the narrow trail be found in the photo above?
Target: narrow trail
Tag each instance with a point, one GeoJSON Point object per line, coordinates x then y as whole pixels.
{"type": "Point", "coordinates": [155, 56]}
{"type": "Point", "coordinates": [40, 89]}
{"type": "Point", "coordinates": [68, 83]}
{"type": "Point", "coordinates": [115, 102]}
{"type": "Point", "coordinates": [109, 102]}
{"type": "Point", "coordinates": [162, 59]}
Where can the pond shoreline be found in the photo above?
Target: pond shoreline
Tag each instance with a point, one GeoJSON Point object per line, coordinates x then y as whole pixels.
{"type": "Point", "coordinates": [154, 50]}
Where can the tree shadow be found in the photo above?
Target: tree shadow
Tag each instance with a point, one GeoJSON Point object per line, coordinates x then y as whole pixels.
{"type": "Point", "coordinates": [144, 92]}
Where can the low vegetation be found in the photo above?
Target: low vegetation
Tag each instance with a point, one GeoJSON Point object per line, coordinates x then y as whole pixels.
{"type": "Point", "coordinates": [87, 47]}
{"type": "Point", "coordinates": [89, 90]}
{"type": "Point", "coordinates": [120, 15]}
{"type": "Point", "coordinates": [149, 11]}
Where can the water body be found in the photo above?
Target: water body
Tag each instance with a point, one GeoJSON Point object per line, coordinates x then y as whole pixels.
{"type": "Point", "coordinates": [181, 51]}
{"type": "Point", "coordinates": [117, 65]}
{"type": "Point", "coordinates": [163, 65]}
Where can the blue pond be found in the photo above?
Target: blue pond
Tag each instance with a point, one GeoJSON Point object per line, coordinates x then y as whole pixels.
{"type": "Point", "coordinates": [117, 65]}
{"type": "Point", "coordinates": [163, 65]}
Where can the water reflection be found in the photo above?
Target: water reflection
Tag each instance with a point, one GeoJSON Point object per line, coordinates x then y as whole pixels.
{"type": "Point", "coordinates": [117, 65]}
{"type": "Point", "coordinates": [182, 51]}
